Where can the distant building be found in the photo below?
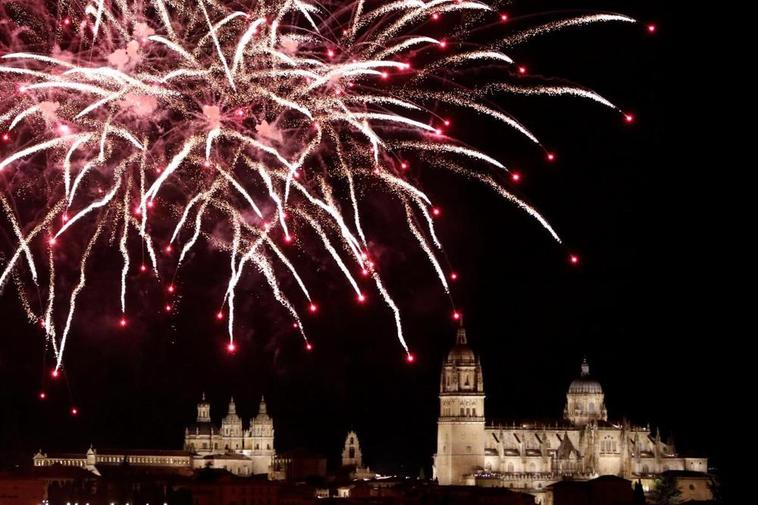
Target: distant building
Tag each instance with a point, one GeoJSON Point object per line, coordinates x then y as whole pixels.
{"type": "Point", "coordinates": [23, 489]}
{"type": "Point", "coordinates": [232, 447]}
{"type": "Point", "coordinates": [531, 456]}
{"type": "Point", "coordinates": [693, 486]}
{"type": "Point", "coordinates": [400, 491]}
{"type": "Point", "coordinates": [605, 490]}
{"type": "Point", "coordinates": [352, 458]}
{"type": "Point", "coordinates": [298, 465]}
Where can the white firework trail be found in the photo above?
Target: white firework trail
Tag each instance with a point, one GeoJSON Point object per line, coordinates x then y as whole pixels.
{"type": "Point", "coordinates": [552, 91]}
{"type": "Point", "coordinates": [425, 247]}
{"type": "Point", "coordinates": [553, 26]}
{"type": "Point", "coordinates": [253, 122]}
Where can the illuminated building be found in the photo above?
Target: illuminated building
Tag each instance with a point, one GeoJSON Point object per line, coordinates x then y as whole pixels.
{"type": "Point", "coordinates": [530, 456]}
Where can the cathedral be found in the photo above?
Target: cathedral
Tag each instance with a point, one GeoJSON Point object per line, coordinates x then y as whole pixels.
{"type": "Point", "coordinates": [232, 447]}
{"type": "Point", "coordinates": [528, 457]}
{"type": "Point", "coordinates": [242, 451]}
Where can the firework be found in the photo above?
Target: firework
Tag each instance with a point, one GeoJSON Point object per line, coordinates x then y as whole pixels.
{"type": "Point", "coordinates": [256, 115]}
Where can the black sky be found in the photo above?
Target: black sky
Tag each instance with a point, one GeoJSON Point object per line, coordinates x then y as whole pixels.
{"type": "Point", "coordinates": [644, 305]}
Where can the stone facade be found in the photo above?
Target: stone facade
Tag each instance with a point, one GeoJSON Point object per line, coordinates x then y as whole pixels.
{"type": "Point", "coordinates": [242, 451]}
{"type": "Point", "coordinates": [250, 451]}
{"type": "Point", "coordinates": [530, 456]}
{"type": "Point", "coordinates": [460, 428]}
{"type": "Point", "coordinates": [352, 458]}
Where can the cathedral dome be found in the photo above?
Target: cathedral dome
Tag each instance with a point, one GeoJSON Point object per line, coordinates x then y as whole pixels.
{"type": "Point", "coordinates": [461, 353]}
{"type": "Point", "coordinates": [585, 384]}
{"type": "Point", "coordinates": [262, 416]}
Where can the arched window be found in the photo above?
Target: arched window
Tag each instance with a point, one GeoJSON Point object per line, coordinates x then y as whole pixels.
{"type": "Point", "coordinates": [461, 411]}
{"type": "Point", "coordinates": [352, 452]}
{"type": "Point", "coordinates": [473, 412]}
{"type": "Point", "coordinates": [592, 407]}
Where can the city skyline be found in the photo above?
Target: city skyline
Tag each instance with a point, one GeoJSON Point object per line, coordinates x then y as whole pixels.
{"type": "Point", "coordinates": [637, 304]}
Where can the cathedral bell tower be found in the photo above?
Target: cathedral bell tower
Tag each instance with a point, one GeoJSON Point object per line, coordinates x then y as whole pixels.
{"type": "Point", "coordinates": [460, 427]}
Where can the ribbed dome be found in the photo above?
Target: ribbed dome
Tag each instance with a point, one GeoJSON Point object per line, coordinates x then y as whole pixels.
{"type": "Point", "coordinates": [585, 384]}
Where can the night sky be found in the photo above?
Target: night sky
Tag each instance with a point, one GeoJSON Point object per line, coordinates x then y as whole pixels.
{"type": "Point", "coordinates": [644, 304]}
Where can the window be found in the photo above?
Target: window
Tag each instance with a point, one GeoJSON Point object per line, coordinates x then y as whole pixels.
{"type": "Point", "coordinates": [461, 411]}
{"type": "Point", "coordinates": [473, 412]}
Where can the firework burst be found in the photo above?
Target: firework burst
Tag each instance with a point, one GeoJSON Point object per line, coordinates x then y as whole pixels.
{"type": "Point", "coordinates": [143, 125]}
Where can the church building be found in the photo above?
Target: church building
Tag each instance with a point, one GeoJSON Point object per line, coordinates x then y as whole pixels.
{"type": "Point", "coordinates": [243, 451]}
{"type": "Point", "coordinates": [530, 456]}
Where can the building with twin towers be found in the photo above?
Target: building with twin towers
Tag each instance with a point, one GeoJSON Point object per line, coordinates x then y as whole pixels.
{"type": "Point", "coordinates": [583, 445]}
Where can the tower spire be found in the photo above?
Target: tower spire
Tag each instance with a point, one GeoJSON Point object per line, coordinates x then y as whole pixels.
{"type": "Point", "coordinates": [460, 337]}
{"type": "Point", "coordinates": [203, 411]}
{"type": "Point", "coordinates": [585, 367]}
{"type": "Point", "coordinates": [262, 406]}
